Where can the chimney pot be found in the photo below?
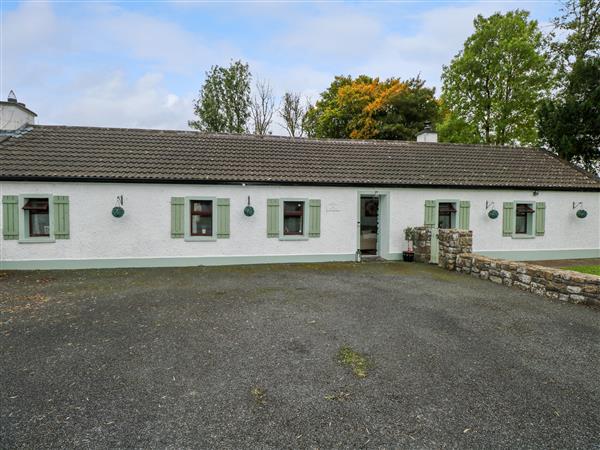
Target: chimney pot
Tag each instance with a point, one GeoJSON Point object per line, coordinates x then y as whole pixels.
{"type": "Point", "coordinates": [427, 135]}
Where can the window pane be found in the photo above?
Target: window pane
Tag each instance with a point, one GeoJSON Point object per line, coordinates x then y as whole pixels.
{"type": "Point", "coordinates": [293, 218]}
{"type": "Point", "coordinates": [39, 224]}
{"type": "Point", "coordinates": [201, 225]}
{"type": "Point", "coordinates": [292, 225]}
{"type": "Point", "coordinates": [293, 207]}
{"type": "Point", "coordinates": [202, 206]}
{"type": "Point", "coordinates": [445, 221]}
{"type": "Point", "coordinates": [521, 224]}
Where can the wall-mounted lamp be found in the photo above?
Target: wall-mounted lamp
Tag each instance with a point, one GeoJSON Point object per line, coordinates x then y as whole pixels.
{"type": "Point", "coordinates": [492, 213]}
{"type": "Point", "coordinates": [536, 193]}
{"type": "Point", "coordinates": [118, 210]}
{"type": "Point", "coordinates": [581, 213]}
{"type": "Point", "coordinates": [249, 210]}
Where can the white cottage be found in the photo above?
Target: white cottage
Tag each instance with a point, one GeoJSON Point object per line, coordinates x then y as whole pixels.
{"type": "Point", "coordinates": [85, 197]}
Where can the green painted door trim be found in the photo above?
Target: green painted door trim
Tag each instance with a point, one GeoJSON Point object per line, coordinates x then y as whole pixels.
{"type": "Point", "coordinates": [112, 263]}
{"type": "Point", "coordinates": [539, 255]}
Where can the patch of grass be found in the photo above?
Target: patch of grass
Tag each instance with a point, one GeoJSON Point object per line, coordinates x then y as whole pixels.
{"type": "Point", "coordinates": [593, 270]}
{"type": "Point", "coordinates": [351, 358]}
{"type": "Point", "coordinates": [259, 395]}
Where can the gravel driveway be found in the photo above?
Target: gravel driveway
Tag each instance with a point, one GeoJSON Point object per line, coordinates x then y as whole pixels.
{"type": "Point", "coordinates": [247, 356]}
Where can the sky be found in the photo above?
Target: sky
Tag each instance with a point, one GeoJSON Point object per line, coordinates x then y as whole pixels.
{"type": "Point", "coordinates": [140, 64]}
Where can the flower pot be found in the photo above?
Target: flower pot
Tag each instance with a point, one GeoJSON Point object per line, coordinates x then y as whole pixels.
{"type": "Point", "coordinates": [408, 256]}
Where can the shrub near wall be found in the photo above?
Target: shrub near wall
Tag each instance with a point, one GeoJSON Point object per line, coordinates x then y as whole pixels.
{"type": "Point", "coordinates": [557, 284]}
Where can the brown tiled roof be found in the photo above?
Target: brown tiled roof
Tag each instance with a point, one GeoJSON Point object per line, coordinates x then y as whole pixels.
{"type": "Point", "coordinates": [117, 154]}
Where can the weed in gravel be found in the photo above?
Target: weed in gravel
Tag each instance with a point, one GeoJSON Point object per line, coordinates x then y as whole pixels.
{"type": "Point", "coordinates": [259, 395]}
{"type": "Point", "coordinates": [359, 363]}
{"type": "Point", "coordinates": [338, 396]}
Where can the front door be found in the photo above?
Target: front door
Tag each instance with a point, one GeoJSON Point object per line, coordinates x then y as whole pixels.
{"type": "Point", "coordinates": [369, 224]}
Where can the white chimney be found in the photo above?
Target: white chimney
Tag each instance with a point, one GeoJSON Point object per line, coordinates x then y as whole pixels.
{"type": "Point", "coordinates": [14, 115]}
{"type": "Point", "coordinates": [427, 135]}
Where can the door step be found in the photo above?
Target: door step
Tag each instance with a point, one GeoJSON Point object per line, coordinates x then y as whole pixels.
{"type": "Point", "coordinates": [371, 258]}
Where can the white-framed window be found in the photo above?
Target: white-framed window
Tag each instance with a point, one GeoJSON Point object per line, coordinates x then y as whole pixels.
{"type": "Point", "coordinates": [294, 219]}
{"type": "Point", "coordinates": [200, 219]}
{"type": "Point", "coordinates": [447, 214]}
{"type": "Point", "coordinates": [524, 225]}
{"type": "Point", "coordinates": [36, 213]}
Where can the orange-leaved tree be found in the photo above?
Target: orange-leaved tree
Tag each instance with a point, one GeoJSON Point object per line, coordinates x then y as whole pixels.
{"type": "Point", "coordinates": [368, 108]}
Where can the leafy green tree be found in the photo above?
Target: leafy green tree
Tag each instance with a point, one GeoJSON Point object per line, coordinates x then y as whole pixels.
{"type": "Point", "coordinates": [576, 33]}
{"type": "Point", "coordinates": [223, 105]}
{"type": "Point", "coordinates": [367, 108]}
{"type": "Point", "coordinates": [497, 81]}
{"type": "Point", "coordinates": [570, 124]}
{"type": "Point", "coordinates": [456, 130]}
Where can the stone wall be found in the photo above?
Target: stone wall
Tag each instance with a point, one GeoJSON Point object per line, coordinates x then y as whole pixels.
{"type": "Point", "coordinates": [421, 239]}
{"type": "Point", "coordinates": [565, 285]}
{"type": "Point", "coordinates": [453, 242]}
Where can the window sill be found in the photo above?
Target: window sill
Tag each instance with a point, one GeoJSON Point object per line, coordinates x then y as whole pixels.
{"type": "Point", "coordinates": [523, 236]}
{"type": "Point", "coordinates": [199, 238]}
{"type": "Point", "coordinates": [43, 240]}
{"type": "Point", "coordinates": [293, 238]}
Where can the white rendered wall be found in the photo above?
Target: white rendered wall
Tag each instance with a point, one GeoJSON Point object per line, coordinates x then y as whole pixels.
{"type": "Point", "coordinates": [144, 231]}
{"type": "Point", "coordinates": [563, 229]}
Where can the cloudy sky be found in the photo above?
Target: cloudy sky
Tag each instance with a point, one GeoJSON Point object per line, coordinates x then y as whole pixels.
{"type": "Point", "coordinates": [141, 64]}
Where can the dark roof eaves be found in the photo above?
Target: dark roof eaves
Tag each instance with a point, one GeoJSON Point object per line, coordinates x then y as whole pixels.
{"type": "Point", "coordinates": [295, 183]}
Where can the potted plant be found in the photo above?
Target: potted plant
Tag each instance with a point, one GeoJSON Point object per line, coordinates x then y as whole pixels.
{"type": "Point", "coordinates": [409, 255]}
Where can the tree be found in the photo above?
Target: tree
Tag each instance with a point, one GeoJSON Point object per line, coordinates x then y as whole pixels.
{"type": "Point", "coordinates": [456, 130]}
{"type": "Point", "coordinates": [367, 108]}
{"type": "Point", "coordinates": [580, 20]}
{"type": "Point", "coordinates": [262, 108]}
{"type": "Point", "coordinates": [293, 112]}
{"type": "Point", "coordinates": [570, 124]}
{"type": "Point", "coordinates": [223, 105]}
{"type": "Point", "coordinates": [497, 81]}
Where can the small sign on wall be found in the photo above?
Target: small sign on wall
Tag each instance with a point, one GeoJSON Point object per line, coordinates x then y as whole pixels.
{"type": "Point", "coordinates": [333, 207]}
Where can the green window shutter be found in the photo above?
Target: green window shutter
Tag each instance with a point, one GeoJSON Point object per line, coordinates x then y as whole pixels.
{"type": "Point", "coordinates": [508, 218]}
{"type": "Point", "coordinates": [177, 217]}
{"type": "Point", "coordinates": [430, 213]}
{"type": "Point", "coordinates": [464, 214]}
{"type": "Point", "coordinates": [314, 218]}
{"type": "Point", "coordinates": [10, 216]}
{"type": "Point", "coordinates": [61, 216]}
{"type": "Point", "coordinates": [223, 218]}
{"type": "Point", "coordinates": [272, 217]}
{"type": "Point", "coordinates": [540, 218]}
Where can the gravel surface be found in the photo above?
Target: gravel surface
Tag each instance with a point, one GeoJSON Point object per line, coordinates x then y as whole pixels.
{"type": "Point", "coordinates": [246, 356]}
